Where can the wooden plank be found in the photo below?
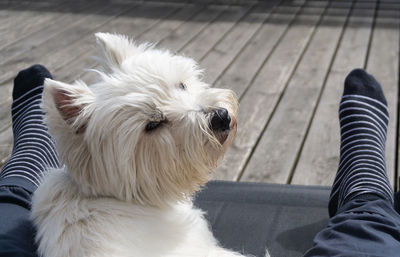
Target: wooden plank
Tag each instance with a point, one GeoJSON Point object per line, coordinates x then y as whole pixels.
{"type": "Point", "coordinates": [86, 25]}
{"type": "Point", "coordinates": [208, 37]}
{"type": "Point", "coordinates": [6, 136]}
{"type": "Point", "coordinates": [180, 37]}
{"type": "Point", "coordinates": [31, 18]}
{"type": "Point", "coordinates": [258, 102]}
{"type": "Point", "coordinates": [216, 61]}
{"type": "Point", "coordinates": [168, 26]}
{"type": "Point", "coordinates": [32, 40]}
{"type": "Point", "coordinates": [276, 152]}
{"type": "Point", "coordinates": [383, 63]}
{"type": "Point", "coordinates": [158, 32]}
{"type": "Point", "coordinates": [220, 26]}
{"type": "Point", "coordinates": [10, 14]}
{"type": "Point", "coordinates": [239, 74]}
{"type": "Point", "coordinates": [320, 155]}
{"type": "Point", "coordinates": [146, 16]}
{"type": "Point", "coordinates": [84, 49]}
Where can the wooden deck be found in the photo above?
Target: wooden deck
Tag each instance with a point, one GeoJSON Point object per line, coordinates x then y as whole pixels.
{"type": "Point", "coordinates": [286, 60]}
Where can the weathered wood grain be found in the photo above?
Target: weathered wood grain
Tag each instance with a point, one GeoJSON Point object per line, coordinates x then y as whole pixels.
{"type": "Point", "coordinates": [219, 26]}
{"type": "Point", "coordinates": [157, 33]}
{"type": "Point", "coordinates": [6, 136]}
{"type": "Point", "coordinates": [277, 150]}
{"type": "Point", "coordinates": [146, 16]}
{"type": "Point", "coordinates": [216, 60]}
{"type": "Point", "coordinates": [240, 74]}
{"type": "Point", "coordinates": [170, 25]}
{"type": "Point", "coordinates": [188, 31]}
{"type": "Point", "coordinates": [71, 60]}
{"type": "Point", "coordinates": [85, 26]}
{"type": "Point", "coordinates": [259, 101]}
{"type": "Point", "coordinates": [320, 156]}
{"type": "Point", "coordinates": [25, 20]}
{"type": "Point", "coordinates": [208, 37]}
{"type": "Point", "coordinates": [32, 40]}
{"type": "Point", "coordinates": [13, 13]}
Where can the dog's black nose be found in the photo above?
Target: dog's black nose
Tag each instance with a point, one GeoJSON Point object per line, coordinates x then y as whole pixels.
{"type": "Point", "coordinates": [220, 120]}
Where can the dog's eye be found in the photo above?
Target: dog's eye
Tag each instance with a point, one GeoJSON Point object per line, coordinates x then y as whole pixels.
{"type": "Point", "coordinates": [152, 125]}
{"type": "Point", "coordinates": [182, 86]}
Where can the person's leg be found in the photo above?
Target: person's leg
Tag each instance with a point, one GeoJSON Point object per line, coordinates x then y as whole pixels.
{"type": "Point", "coordinates": [363, 220]}
{"type": "Point", "coordinates": [33, 153]}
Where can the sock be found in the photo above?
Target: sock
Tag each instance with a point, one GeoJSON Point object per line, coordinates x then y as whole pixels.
{"type": "Point", "coordinates": [364, 118]}
{"type": "Point", "coordinates": [34, 149]}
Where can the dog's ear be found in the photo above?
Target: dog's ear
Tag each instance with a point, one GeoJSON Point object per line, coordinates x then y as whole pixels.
{"type": "Point", "coordinates": [116, 48]}
{"type": "Point", "coordinates": [72, 101]}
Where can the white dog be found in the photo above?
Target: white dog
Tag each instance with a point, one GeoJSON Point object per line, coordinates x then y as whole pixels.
{"type": "Point", "coordinates": [136, 146]}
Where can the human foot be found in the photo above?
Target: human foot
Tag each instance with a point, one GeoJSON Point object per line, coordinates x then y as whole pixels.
{"type": "Point", "coordinates": [34, 150]}
{"type": "Point", "coordinates": [364, 118]}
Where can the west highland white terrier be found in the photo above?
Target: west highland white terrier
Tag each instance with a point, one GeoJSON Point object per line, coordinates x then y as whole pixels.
{"type": "Point", "coordinates": [136, 146]}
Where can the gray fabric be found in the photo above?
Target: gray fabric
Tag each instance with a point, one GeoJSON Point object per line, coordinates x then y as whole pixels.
{"type": "Point", "coordinates": [16, 229]}
{"type": "Point", "coordinates": [367, 225]}
{"type": "Point", "coordinates": [248, 217]}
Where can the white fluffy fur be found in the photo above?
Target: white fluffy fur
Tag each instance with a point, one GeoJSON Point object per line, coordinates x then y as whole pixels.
{"type": "Point", "coordinates": [126, 191]}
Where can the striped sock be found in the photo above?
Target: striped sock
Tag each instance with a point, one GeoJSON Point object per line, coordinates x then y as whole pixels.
{"type": "Point", "coordinates": [34, 150]}
{"type": "Point", "coordinates": [363, 118]}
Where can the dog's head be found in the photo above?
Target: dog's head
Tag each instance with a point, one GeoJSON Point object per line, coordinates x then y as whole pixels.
{"type": "Point", "coordinates": [150, 131]}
